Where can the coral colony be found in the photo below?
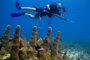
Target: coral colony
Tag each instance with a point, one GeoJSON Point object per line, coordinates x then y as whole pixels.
{"type": "Point", "coordinates": [16, 48]}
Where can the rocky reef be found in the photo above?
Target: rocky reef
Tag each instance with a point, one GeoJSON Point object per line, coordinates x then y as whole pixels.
{"type": "Point", "coordinates": [17, 48]}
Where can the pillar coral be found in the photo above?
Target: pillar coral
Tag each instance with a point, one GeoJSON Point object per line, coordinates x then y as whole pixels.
{"type": "Point", "coordinates": [60, 48]}
{"type": "Point", "coordinates": [49, 32]}
{"type": "Point", "coordinates": [15, 46]}
{"type": "Point", "coordinates": [3, 52]}
{"type": "Point", "coordinates": [41, 54]}
{"type": "Point", "coordinates": [55, 46]}
{"type": "Point", "coordinates": [5, 41]}
{"type": "Point", "coordinates": [39, 42]}
{"type": "Point", "coordinates": [30, 52]}
{"type": "Point", "coordinates": [45, 43]}
{"type": "Point", "coordinates": [33, 37]}
{"type": "Point", "coordinates": [22, 53]}
{"type": "Point", "coordinates": [65, 56]}
{"type": "Point", "coordinates": [24, 43]}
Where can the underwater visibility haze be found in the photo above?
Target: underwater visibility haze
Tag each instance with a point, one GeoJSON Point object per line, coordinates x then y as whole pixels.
{"type": "Point", "coordinates": [75, 32]}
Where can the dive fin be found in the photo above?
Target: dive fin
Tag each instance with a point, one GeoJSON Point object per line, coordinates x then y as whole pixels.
{"type": "Point", "coordinates": [18, 6]}
{"type": "Point", "coordinates": [17, 14]}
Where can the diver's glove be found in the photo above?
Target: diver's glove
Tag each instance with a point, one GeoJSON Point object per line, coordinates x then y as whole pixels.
{"type": "Point", "coordinates": [64, 10]}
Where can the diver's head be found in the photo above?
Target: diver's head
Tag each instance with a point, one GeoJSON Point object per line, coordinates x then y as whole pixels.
{"type": "Point", "coordinates": [59, 5]}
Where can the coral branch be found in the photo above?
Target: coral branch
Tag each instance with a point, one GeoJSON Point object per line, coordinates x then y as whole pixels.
{"type": "Point", "coordinates": [41, 54]}
{"type": "Point", "coordinates": [60, 48]}
{"type": "Point", "coordinates": [55, 46]}
{"type": "Point", "coordinates": [45, 43]}
{"type": "Point", "coordinates": [15, 46]}
{"type": "Point", "coordinates": [33, 37]}
{"type": "Point", "coordinates": [49, 32]}
{"type": "Point", "coordinates": [23, 42]}
{"type": "Point", "coordinates": [6, 39]}
{"type": "Point", "coordinates": [65, 57]}
{"type": "Point", "coordinates": [22, 53]}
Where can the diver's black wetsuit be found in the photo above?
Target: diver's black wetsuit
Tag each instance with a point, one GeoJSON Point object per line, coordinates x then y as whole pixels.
{"type": "Point", "coordinates": [53, 9]}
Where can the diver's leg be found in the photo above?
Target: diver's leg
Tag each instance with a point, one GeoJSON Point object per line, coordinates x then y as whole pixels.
{"type": "Point", "coordinates": [30, 15]}
{"type": "Point", "coordinates": [28, 8]}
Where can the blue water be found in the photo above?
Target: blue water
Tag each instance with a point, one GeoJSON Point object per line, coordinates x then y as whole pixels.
{"type": "Point", "coordinates": [77, 10]}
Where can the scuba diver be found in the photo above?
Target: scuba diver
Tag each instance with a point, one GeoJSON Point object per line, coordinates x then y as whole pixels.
{"type": "Point", "coordinates": [49, 9]}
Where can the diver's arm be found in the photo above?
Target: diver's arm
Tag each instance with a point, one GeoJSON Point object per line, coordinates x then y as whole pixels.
{"type": "Point", "coordinates": [58, 13]}
{"type": "Point", "coordinates": [64, 10]}
{"type": "Point", "coordinates": [48, 6]}
{"type": "Point", "coordinates": [62, 15]}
